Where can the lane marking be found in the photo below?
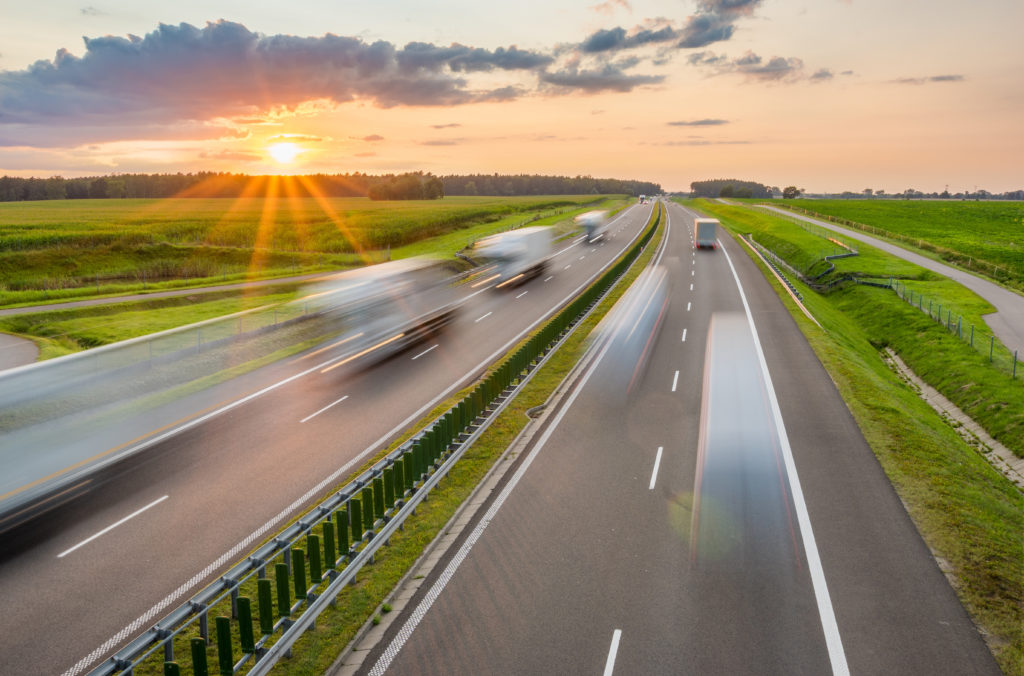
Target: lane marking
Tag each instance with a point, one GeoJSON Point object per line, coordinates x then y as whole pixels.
{"type": "Point", "coordinates": [684, 335]}
{"type": "Point", "coordinates": [549, 278]}
{"type": "Point", "coordinates": [567, 266]}
{"type": "Point", "coordinates": [417, 615]}
{"type": "Point", "coordinates": [687, 307]}
{"type": "Point", "coordinates": [582, 257]}
{"type": "Point", "coordinates": [609, 665]}
{"type": "Point", "coordinates": [112, 527]}
{"type": "Point", "coordinates": [309, 417]}
{"type": "Point", "coordinates": [691, 287]}
{"type": "Point", "coordinates": [693, 273]}
{"type": "Point", "coordinates": [229, 556]}
{"type": "Point", "coordinates": [657, 464]}
{"type": "Point", "coordinates": [675, 381]}
{"type": "Point", "coordinates": [482, 318]}
{"type": "Point", "coordinates": [522, 294]}
{"type": "Point", "coordinates": [426, 351]}
{"type": "Point", "coordinates": [827, 614]}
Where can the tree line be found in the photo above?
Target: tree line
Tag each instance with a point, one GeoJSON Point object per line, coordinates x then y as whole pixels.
{"type": "Point", "coordinates": [729, 187]}
{"type": "Point", "coordinates": [410, 185]}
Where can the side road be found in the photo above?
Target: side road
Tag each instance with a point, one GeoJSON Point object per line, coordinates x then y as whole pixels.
{"type": "Point", "coordinates": [1007, 322]}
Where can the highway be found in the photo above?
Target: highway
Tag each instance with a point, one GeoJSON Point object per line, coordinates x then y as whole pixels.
{"type": "Point", "coordinates": [727, 517]}
{"type": "Point", "coordinates": [92, 574]}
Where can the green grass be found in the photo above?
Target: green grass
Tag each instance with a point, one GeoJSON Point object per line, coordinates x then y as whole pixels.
{"type": "Point", "coordinates": [986, 236]}
{"type": "Point", "coordinates": [76, 248]}
{"type": "Point", "coordinates": [968, 513]}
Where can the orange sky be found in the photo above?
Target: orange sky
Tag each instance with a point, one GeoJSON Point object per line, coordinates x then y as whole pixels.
{"type": "Point", "coordinates": [828, 96]}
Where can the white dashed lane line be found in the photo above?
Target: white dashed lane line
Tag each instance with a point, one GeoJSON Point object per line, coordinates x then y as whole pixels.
{"type": "Point", "coordinates": [479, 319]}
{"type": "Point", "coordinates": [111, 527]}
{"type": "Point", "coordinates": [425, 351]}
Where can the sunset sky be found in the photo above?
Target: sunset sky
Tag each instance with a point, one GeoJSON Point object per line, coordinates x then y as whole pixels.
{"type": "Point", "coordinates": [827, 95]}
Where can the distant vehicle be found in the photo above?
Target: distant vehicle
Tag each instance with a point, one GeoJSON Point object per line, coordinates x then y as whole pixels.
{"type": "Point", "coordinates": [595, 224]}
{"type": "Point", "coordinates": [643, 199]}
{"type": "Point", "coordinates": [518, 255]}
{"type": "Point", "coordinates": [384, 308]}
{"type": "Point", "coordinates": [704, 232]}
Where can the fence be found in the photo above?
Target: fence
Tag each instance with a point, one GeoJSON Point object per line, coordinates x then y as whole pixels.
{"type": "Point", "coordinates": [284, 585]}
{"type": "Point", "coordinates": [999, 356]}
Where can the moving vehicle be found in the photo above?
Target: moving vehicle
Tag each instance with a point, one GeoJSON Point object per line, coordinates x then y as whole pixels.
{"type": "Point", "coordinates": [595, 224]}
{"type": "Point", "coordinates": [518, 255]}
{"type": "Point", "coordinates": [704, 232]}
{"type": "Point", "coordinates": [384, 308]}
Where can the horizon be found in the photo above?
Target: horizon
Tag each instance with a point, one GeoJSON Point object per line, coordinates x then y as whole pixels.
{"type": "Point", "coordinates": [646, 90]}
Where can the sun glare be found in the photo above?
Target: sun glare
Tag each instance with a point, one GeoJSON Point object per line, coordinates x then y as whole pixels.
{"type": "Point", "coordinates": [285, 153]}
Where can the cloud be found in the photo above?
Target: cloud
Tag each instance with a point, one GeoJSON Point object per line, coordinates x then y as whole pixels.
{"type": "Point", "coordinates": [617, 38]}
{"type": "Point", "coordinates": [450, 125]}
{"type": "Point", "coordinates": [301, 138]}
{"type": "Point", "coordinates": [754, 67]}
{"type": "Point", "coordinates": [698, 123]}
{"type": "Point", "coordinates": [130, 81]}
{"type": "Point", "coordinates": [610, 77]}
{"type": "Point", "coordinates": [369, 139]}
{"type": "Point", "coordinates": [92, 11]}
{"type": "Point", "coordinates": [232, 155]}
{"type": "Point", "coordinates": [608, 7]}
{"type": "Point", "coordinates": [442, 142]}
{"type": "Point", "coordinates": [822, 74]}
{"type": "Point", "coordinates": [926, 80]}
{"type": "Point", "coordinates": [699, 142]}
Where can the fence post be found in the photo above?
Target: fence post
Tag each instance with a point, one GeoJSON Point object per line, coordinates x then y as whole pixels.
{"type": "Point", "coordinates": [266, 606]}
{"type": "Point", "coordinates": [284, 594]}
{"type": "Point", "coordinates": [199, 666]}
{"type": "Point", "coordinates": [341, 521]}
{"type": "Point", "coordinates": [299, 573]}
{"type": "Point", "coordinates": [316, 572]}
{"type": "Point", "coordinates": [972, 335]}
{"type": "Point", "coordinates": [245, 633]}
{"type": "Point", "coordinates": [224, 657]}
{"type": "Point", "coordinates": [330, 553]}
{"type": "Point", "coordinates": [355, 507]}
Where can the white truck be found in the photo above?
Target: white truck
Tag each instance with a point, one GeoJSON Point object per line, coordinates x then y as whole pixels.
{"type": "Point", "coordinates": [595, 224]}
{"type": "Point", "coordinates": [382, 309]}
{"type": "Point", "coordinates": [704, 232]}
{"type": "Point", "coordinates": [517, 255]}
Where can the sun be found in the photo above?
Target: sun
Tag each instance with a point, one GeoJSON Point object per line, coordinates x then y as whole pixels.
{"type": "Point", "coordinates": [285, 153]}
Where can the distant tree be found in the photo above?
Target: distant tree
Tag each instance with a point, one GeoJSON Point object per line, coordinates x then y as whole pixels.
{"type": "Point", "coordinates": [868, 192]}
{"type": "Point", "coordinates": [790, 192]}
{"type": "Point", "coordinates": [726, 191]}
{"type": "Point", "coordinates": [98, 188]}
{"type": "Point", "coordinates": [880, 192]}
{"type": "Point", "coordinates": [470, 188]}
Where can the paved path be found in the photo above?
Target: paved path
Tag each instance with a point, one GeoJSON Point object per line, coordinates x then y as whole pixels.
{"type": "Point", "coordinates": [159, 294]}
{"type": "Point", "coordinates": [15, 351]}
{"type": "Point", "coordinates": [1007, 322]}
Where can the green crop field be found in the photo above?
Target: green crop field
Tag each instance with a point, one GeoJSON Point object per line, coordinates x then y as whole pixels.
{"type": "Point", "coordinates": [987, 236]}
{"type": "Point", "coordinates": [71, 248]}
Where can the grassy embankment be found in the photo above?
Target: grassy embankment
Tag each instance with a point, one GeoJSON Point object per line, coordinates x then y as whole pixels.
{"type": "Point", "coordinates": [65, 331]}
{"type": "Point", "coordinates": [968, 513]}
{"type": "Point", "coordinates": [986, 237]}
{"type": "Point", "coordinates": [77, 248]}
{"type": "Point", "coordinates": [357, 603]}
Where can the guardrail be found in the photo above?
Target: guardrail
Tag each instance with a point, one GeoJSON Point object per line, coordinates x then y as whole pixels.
{"type": "Point", "coordinates": [270, 591]}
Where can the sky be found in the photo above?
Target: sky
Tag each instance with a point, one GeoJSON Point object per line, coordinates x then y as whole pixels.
{"type": "Point", "coordinates": [828, 95]}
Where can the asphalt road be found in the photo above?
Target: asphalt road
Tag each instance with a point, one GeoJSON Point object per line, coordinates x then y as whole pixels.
{"type": "Point", "coordinates": [15, 351]}
{"type": "Point", "coordinates": [1007, 322]}
{"type": "Point", "coordinates": [81, 590]}
{"type": "Point", "coordinates": [801, 560]}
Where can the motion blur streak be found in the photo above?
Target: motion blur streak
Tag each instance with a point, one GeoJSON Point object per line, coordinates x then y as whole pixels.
{"type": "Point", "coordinates": [629, 331]}
{"type": "Point", "coordinates": [742, 513]}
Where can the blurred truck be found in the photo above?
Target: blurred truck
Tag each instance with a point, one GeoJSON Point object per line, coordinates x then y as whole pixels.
{"type": "Point", "coordinates": [382, 309]}
{"type": "Point", "coordinates": [595, 224]}
{"type": "Point", "coordinates": [704, 232]}
{"type": "Point", "coordinates": [517, 255]}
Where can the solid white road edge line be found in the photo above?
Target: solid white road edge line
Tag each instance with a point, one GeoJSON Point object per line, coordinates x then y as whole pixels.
{"type": "Point", "coordinates": [657, 464]}
{"type": "Point", "coordinates": [613, 650]}
{"type": "Point", "coordinates": [112, 527]}
{"type": "Point", "coordinates": [309, 417]}
{"type": "Point", "coordinates": [828, 617]}
{"type": "Point", "coordinates": [446, 575]}
{"type": "Point", "coordinates": [426, 351]}
{"type": "Point", "coordinates": [141, 621]}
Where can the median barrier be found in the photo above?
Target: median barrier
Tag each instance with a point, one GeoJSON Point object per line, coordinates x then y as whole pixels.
{"type": "Point", "coordinates": [364, 509]}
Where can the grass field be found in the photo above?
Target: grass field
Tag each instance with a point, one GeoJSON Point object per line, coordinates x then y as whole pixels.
{"type": "Point", "coordinates": [986, 236]}
{"type": "Point", "coordinates": [73, 248]}
{"type": "Point", "coordinates": [969, 514]}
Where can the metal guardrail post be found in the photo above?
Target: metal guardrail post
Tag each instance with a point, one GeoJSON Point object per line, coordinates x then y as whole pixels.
{"type": "Point", "coordinates": [266, 607]}
{"type": "Point", "coordinates": [378, 498]}
{"type": "Point", "coordinates": [341, 522]}
{"type": "Point", "coordinates": [367, 496]}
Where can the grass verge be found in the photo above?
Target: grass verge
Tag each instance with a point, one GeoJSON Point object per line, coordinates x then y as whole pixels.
{"type": "Point", "coordinates": [969, 515]}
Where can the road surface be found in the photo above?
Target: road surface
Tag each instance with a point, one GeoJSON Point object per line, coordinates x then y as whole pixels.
{"type": "Point", "coordinates": [800, 559]}
{"type": "Point", "coordinates": [234, 479]}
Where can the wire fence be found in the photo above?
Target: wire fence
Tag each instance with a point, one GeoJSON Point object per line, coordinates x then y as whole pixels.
{"type": "Point", "coordinates": [999, 356]}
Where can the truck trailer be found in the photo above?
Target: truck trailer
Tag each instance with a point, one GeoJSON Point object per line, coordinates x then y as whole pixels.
{"type": "Point", "coordinates": [704, 232]}
{"type": "Point", "coordinates": [517, 255]}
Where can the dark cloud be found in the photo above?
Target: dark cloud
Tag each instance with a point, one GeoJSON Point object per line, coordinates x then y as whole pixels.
{"type": "Point", "coordinates": [224, 70]}
{"type": "Point", "coordinates": [703, 29]}
{"type": "Point", "coordinates": [822, 74]}
{"type": "Point", "coordinates": [709, 122]}
{"type": "Point", "coordinates": [728, 7]}
{"type": "Point", "coordinates": [608, 78]}
{"type": "Point", "coordinates": [753, 66]}
{"type": "Point", "coordinates": [617, 38]}
{"type": "Point", "coordinates": [926, 80]}
{"type": "Point", "coordinates": [450, 125]}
